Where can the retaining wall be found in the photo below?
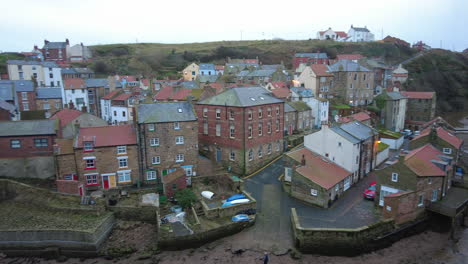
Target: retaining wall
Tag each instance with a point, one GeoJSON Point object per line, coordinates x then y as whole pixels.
{"type": "Point", "coordinates": [36, 167]}
{"type": "Point", "coordinates": [147, 214]}
{"type": "Point", "coordinates": [229, 211]}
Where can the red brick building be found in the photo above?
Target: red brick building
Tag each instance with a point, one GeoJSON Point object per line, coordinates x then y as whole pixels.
{"type": "Point", "coordinates": [25, 139]}
{"type": "Point", "coordinates": [103, 158]}
{"type": "Point", "coordinates": [173, 182]}
{"type": "Point", "coordinates": [310, 58]}
{"type": "Point", "coordinates": [55, 51]}
{"type": "Point", "coordinates": [242, 128]}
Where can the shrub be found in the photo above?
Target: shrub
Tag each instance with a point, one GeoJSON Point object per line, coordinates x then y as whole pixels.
{"type": "Point", "coordinates": [185, 198]}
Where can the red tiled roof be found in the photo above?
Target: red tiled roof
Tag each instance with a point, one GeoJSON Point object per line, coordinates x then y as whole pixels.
{"type": "Point", "coordinates": [320, 70]}
{"type": "Point", "coordinates": [164, 93]}
{"type": "Point", "coordinates": [341, 34]}
{"type": "Point", "coordinates": [110, 95]}
{"type": "Point", "coordinates": [129, 78]}
{"type": "Point", "coordinates": [218, 86]}
{"type": "Point", "coordinates": [219, 67]}
{"type": "Point", "coordinates": [318, 169]}
{"type": "Point", "coordinates": [361, 116]}
{"type": "Point", "coordinates": [444, 135]}
{"type": "Point", "coordinates": [419, 161]}
{"type": "Point", "coordinates": [400, 75]}
{"type": "Point", "coordinates": [418, 95]}
{"type": "Point", "coordinates": [349, 56]}
{"type": "Point", "coordinates": [279, 85]}
{"type": "Point", "coordinates": [66, 116]}
{"type": "Point", "coordinates": [122, 97]}
{"type": "Point", "coordinates": [281, 93]}
{"type": "Point", "coordinates": [145, 82]}
{"type": "Point", "coordinates": [74, 83]}
{"type": "Point", "coordinates": [181, 94]}
{"type": "Point", "coordinates": [107, 136]}
{"type": "Point", "coordinates": [173, 176]}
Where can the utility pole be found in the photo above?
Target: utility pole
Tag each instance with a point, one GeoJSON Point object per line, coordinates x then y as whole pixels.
{"type": "Point", "coordinates": [241, 34]}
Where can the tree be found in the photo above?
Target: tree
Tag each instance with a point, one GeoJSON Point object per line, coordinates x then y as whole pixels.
{"type": "Point", "coordinates": [186, 198]}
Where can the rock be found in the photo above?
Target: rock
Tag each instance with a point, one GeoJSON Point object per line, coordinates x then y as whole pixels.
{"type": "Point", "coordinates": [2, 255]}
{"type": "Point", "coordinates": [238, 251]}
{"type": "Point", "coordinates": [204, 250]}
{"type": "Point", "coordinates": [62, 258]}
{"type": "Point", "coordinates": [281, 252]}
{"type": "Point", "coordinates": [295, 254]}
{"type": "Point", "coordinates": [144, 256]}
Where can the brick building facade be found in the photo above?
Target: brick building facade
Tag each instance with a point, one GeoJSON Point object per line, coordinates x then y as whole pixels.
{"type": "Point", "coordinates": [420, 108]}
{"type": "Point", "coordinates": [309, 58]}
{"type": "Point", "coordinates": [168, 140]}
{"type": "Point", "coordinates": [242, 128]}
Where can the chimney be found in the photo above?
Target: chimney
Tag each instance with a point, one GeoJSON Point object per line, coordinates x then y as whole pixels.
{"type": "Point", "coordinates": [46, 41]}
{"type": "Point", "coordinates": [84, 109]}
{"type": "Point", "coordinates": [303, 161]}
{"type": "Point", "coordinates": [81, 44]}
{"type": "Point", "coordinates": [67, 41]}
{"type": "Point", "coordinates": [71, 105]}
{"type": "Point", "coordinates": [35, 47]}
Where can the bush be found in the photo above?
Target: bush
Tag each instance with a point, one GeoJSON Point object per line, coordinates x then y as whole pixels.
{"type": "Point", "coordinates": [186, 198]}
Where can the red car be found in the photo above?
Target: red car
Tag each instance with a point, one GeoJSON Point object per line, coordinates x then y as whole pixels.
{"type": "Point", "coordinates": [369, 193]}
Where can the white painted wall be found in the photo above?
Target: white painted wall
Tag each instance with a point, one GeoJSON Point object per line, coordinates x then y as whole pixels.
{"type": "Point", "coordinates": [382, 156]}
{"type": "Point", "coordinates": [74, 94]}
{"type": "Point", "coordinates": [393, 143]}
{"type": "Point", "coordinates": [56, 77]}
{"type": "Point", "coordinates": [106, 110]}
{"type": "Point", "coordinates": [401, 115]}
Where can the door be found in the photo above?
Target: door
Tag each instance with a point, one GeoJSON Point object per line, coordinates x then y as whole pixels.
{"type": "Point", "coordinates": [290, 130]}
{"type": "Point", "coordinates": [218, 155]}
{"type": "Point", "coordinates": [105, 182]}
{"type": "Point", "coordinates": [112, 181]}
{"type": "Point", "coordinates": [80, 189]}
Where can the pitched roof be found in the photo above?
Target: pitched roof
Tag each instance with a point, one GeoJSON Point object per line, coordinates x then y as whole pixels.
{"type": "Point", "coordinates": [206, 67]}
{"type": "Point", "coordinates": [282, 93]}
{"type": "Point", "coordinates": [288, 108]}
{"type": "Point", "coordinates": [122, 97]}
{"type": "Point", "coordinates": [312, 55]}
{"type": "Point", "coordinates": [319, 169]}
{"type": "Point", "coordinates": [74, 83]}
{"type": "Point", "coordinates": [207, 78]}
{"type": "Point", "coordinates": [66, 116]}
{"type": "Point", "coordinates": [341, 34]}
{"type": "Point", "coordinates": [27, 128]}
{"type": "Point", "coordinates": [18, 85]}
{"type": "Point", "coordinates": [165, 112]}
{"type": "Point", "coordinates": [7, 106]}
{"type": "Point", "coordinates": [242, 97]}
{"type": "Point", "coordinates": [164, 93]}
{"type": "Point", "coordinates": [420, 161]}
{"type": "Point", "coordinates": [418, 95]}
{"type": "Point", "coordinates": [347, 66]}
{"type": "Point", "coordinates": [128, 78]}
{"type": "Point", "coordinates": [111, 95]}
{"type": "Point", "coordinates": [55, 45]}
{"type": "Point", "coordinates": [321, 70]}
{"type": "Point", "coordinates": [145, 82]}
{"type": "Point", "coordinates": [302, 91]}
{"type": "Point", "coordinates": [358, 130]}
{"type": "Point", "coordinates": [344, 134]}
{"type": "Point", "coordinates": [6, 91]}
{"type": "Point", "coordinates": [279, 84]}
{"type": "Point", "coordinates": [121, 135]}
{"type": "Point", "coordinates": [361, 116]}
{"type": "Point", "coordinates": [360, 29]}
{"type": "Point", "coordinates": [48, 93]}
{"type": "Point", "coordinates": [218, 86]}
{"type": "Point", "coordinates": [219, 67]}
{"type": "Point", "coordinates": [181, 94]}
{"type": "Point", "coordinates": [300, 106]}
{"type": "Point", "coordinates": [443, 134]}
{"type": "Point", "coordinates": [168, 178]}
{"type": "Point", "coordinates": [349, 56]}
{"type": "Point", "coordinates": [97, 83]}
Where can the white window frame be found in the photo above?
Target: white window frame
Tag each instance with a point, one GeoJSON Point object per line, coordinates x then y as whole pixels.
{"type": "Point", "coordinates": [421, 200]}
{"type": "Point", "coordinates": [231, 114]}
{"type": "Point", "coordinates": [91, 179]}
{"type": "Point", "coordinates": [434, 195]}
{"type": "Point", "coordinates": [250, 132]}
{"type": "Point", "coordinates": [25, 106]}
{"type": "Point", "coordinates": [179, 140]}
{"type": "Point", "coordinates": [232, 131]}
{"type": "Point", "coordinates": [232, 156]}
{"type": "Point", "coordinates": [123, 162]}
{"type": "Point", "coordinates": [250, 115]}
{"type": "Point", "coordinates": [260, 113]}
{"type": "Point", "coordinates": [156, 160]}
{"type": "Point", "coordinates": [394, 177]}
{"type": "Point", "coordinates": [218, 113]}
{"type": "Point", "coordinates": [260, 152]}
{"type": "Point", "coordinates": [88, 165]}
{"type": "Point", "coordinates": [218, 130]}
{"type": "Point", "coordinates": [447, 150]}
{"type": "Point", "coordinates": [176, 126]}
{"type": "Point", "coordinates": [151, 127]}
{"type": "Point", "coordinates": [269, 111]}
{"type": "Point", "coordinates": [126, 176]}
{"type": "Point", "coordinates": [260, 129]}
{"type": "Point", "coordinates": [180, 158]}
{"type": "Point", "coordinates": [250, 155]}
{"type": "Point", "coordinates": [154, 142]}
{"type": "Point", "coordinates": [205, 128]}
{"type": "Point", "coordinates": [151, 175]}
{"type": "Point", "coordinates": [205, 112]}
{"type": "Point", "coordinates": [121, 149]}
{"type": "Point", "coordinates": [269, 149]}
{"type": "Point", "coordinates": [277, 110]}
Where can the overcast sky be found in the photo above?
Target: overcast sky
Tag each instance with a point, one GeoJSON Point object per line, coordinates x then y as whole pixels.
{"type": "Point", "coordinates": [24, 23]}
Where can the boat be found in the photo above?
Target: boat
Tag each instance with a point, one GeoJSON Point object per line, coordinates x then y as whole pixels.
{"type": "Point", "coordinates": [207, 194]}
{"type": "Point", "coordinates": [236, 197]}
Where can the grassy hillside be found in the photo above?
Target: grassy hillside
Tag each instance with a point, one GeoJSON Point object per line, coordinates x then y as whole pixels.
{"type": "Point", "coordinates": [153, 59]}
{"type": "Point", "coordinates": [444, 72]}
{"type": "Point", "coordinates": [8, 56]}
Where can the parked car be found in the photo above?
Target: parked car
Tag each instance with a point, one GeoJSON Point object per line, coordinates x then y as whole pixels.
{"type": "Point", "coordinates": [369, 193]}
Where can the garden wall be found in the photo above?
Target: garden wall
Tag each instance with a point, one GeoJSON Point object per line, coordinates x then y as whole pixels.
{"type": "Point", "coordinates": [35, 167]}
{"type": "Point", "coordinates": [212, 213]}
{"type": "Point", "coordinates": [147, 214]}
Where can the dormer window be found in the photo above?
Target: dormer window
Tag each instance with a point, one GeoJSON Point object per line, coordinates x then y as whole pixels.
{"type": "Point", "coordinates": [88, 146]}
{"type": "Point", "coordinates": [179, 110]}
{"type": "Point", "coordinates": [394, 177]}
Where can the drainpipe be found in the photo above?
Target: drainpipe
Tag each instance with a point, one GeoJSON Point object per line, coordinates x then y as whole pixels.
{"type": "Point", "coordinates": [142, 148]}
{"type": "Point", "coordinates": [243, 139]}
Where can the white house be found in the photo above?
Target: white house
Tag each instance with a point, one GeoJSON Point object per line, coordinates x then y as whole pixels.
{"type": "Point", "coordinates": [76, 93]}
{"type": "Point", "coordinates": [117, 107]}
{"type": "Point", "coordinates": [329, 34]}
{"type": "Point", "coordinates": [320, 106]}
{"type": "Point", "coordinates": [46, 74]}
{"type": "Point", "coordinates": [357, 34]}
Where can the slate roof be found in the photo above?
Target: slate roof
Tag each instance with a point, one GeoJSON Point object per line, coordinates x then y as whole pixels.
{"type": "Point", "coordinates": [312, 55]}
{"type": "Point", "coordinates": [206, 67]}
{"type": "Point", "coordinates": [207, 78]}
{"type": "Point", "coordinates": [261, 73]}
{"type": "Point", "coordinates": [418, 95]}
{"type": "Point", "coordinates": [358, 130]}
{"type": "Point", "coordinates": [360, 29]}
{"type": "Point", "coordinates": [48, 93]}
{"type": "Point", "coordinates": [66, 116]}
{"type": "Point", "coordinates": [189, 85]}
{"type": "Point", "coordinates": [288, 108]}
{"type": "Point", "coordinates": [242, 97]}
{"type": "Point", "coordinates": [6, 91]}
{"type": "Point", "coordinates": [121, 135]}
{"type": "Point", "coordinates": [97, 83]}
{"type": "Point", "coordinates": [345, 135]}
{"type": "Point", "coordinates": [7, 106]}
{"type": "Point", "coordinates": [19, 85]}
{"type": "Point", "coordinates": [55, 45]}
{"type": "Point", "coordinates": [319, 169]}
{"type": "Point", "coordinates": [347, 66]}
{"type": "Point", "coordinates": [395, 95]}
{"type": "Point", "coordinates": [420, 161]}
{"type": "Point", "coordinates": [48, 64]}
{"type": "Point", "coordinates": [302, 91]}
{"type": "Point", "coordinates": [165, 112]}
{"type": "Point", "coordinates": [27, 128]}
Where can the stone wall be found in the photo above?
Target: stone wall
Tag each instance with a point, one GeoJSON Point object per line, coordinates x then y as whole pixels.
{"type": "Point", "coordinates": [147, 214]}
{"type": "Point", "coordinates": [34, 167]}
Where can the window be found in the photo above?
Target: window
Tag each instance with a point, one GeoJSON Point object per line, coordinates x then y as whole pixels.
{"type": "Point", "coordinates": [277, 110]}
{"type": "Point", "coordinates": [41, 142]}
{"type": "Point", "coordinates": [123, 162]}
{"type": "Point", "coordinates": [260, 113]}
{"type": "Point", "coordinates": [179, 140]}
{"type": "Point", "coordinates": [121, 149]}
{"type": "Point", "coordinates": [25, 106]}
{"type": "Point", "coordinates": [394, 177]}
{"type": "Point", "coordinates": [218, 130]}
{"type": "Point", "coordinates": [88, 146]}
{"type": "Point", "coordinates": [176, 125]}
{"type": "Point", "coordinates": [351, 86]}
{"type": "Point", "coordinates": [123, 113]}
{"type": "Point", "coordinates": [232, 155]}
{"type": "Point", "coordinates": [429, 180]}
{"type": "Point", "coordinates": [205, 112]}
{"type": "Point", "coordinates": [124, 176]}
{"type": "Point", "coordinates": [434, 195]}
{"type": "Point", "coordinates": [269, 148]}
{"type": "Point", "coordinates": [250, 131]}
{"type": "Point", "coordinates": [174, 186]}
{"type": "Point", "coordinates": [21, 76]}
{"type": "Point", "coordinates": [51, 75]}
{"type": "Point", "coordinates": [150, 175]}
{"type": "Point", "coordinates": [51, 83]}
{"type": "Point", "coordinates": [90, 164]}
{"type": "Point", "coordinates": [286, 117]}
{"type": "Point", "coordinates": [57, 105]}
{"type": "Point", "coordinates": [250, 114]}
{"type": "Point", "coordinates": [447, 150]}
{"type": "Point", "coordinates": [20, 67]}
{"type": "Point", "coordinates": [421, 200]}
{"type": "Point", "coordinates": [277, 124]}
{"type": "Point", "coordinates": [269, 111]}
{"type": "Point", "coordinates": [313, 192]}
{"type": "Point", "coordinates": [260, 129]}
{"type": "Point", "coordinates": [24, 96]}
{"type": "Point", "coordinates": [180, 158]}
{"type": "Point", "coordinates": [115, 113]}
{"type": "Point", "coordinates": [232, 131]}
{"type": "Point", "coordinates": [193, 73]}
{"type": "Point", "coordinates": [205, 128]}
{"type": "Point", "coordinates": [46, 106]}
{"type": "Point", "coordinates": [156, 160]}
{"type": "Point", "coordinates": [154, 142]}
{"type": "Point", "coordinates": [231, 114]}
{"type": "Point", "coordinates": [364, 77]}
{"type": "Point", "coordinates": [70, 177]}
{"type": "Point", "coordinates": [15, 143]}
{"type": "Point", "coordinates": [278, 146]}
{"type": "Point", "coordinates": [260, 152]}
{"type": "Point", "coordinates": [92, 179]}
{"type": "Point", "coordinates": [218, 113]}
{"type": "Point", "coordinates": [250, 154]}
{"type": "Point", "coordinates": [151, 127]}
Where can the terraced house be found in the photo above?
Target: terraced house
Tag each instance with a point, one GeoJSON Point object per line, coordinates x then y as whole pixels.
{"type": "Point", "coordinates": [104, 158]}
{"type": "Point", "coordinates": [242, 128]}
{"type": "Point", "coordinates": [168, 140]}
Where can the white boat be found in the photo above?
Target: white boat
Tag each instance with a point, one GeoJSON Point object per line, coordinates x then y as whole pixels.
{"type": "Point", "coordinates": [207, 194]}
{"type": "Point", "coordinates": [240, 201]}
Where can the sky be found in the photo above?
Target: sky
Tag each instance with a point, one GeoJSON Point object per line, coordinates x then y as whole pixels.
{"type": "Point", "coordinates": [23, 23]}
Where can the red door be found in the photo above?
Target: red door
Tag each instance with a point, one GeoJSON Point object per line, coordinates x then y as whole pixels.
{"type": "Point", "coordinates": [105, 182]}
{"type": "Point", "coordinates": [81, 190]}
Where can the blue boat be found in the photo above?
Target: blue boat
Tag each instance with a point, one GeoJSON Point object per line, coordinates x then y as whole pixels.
{"type": "Point", "coordinates": [226, 204]}
{"type": "Point", "coordinates": [236, 197]}
{"type": "Point", "coordinates": [240, 218]}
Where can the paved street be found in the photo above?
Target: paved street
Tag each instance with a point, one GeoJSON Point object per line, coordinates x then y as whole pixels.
{"type": "Point", "coordinates": [273, 227]}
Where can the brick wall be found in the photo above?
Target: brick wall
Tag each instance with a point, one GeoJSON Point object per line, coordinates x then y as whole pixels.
{"type": "Point", "coordinates": [422, 110]}
{"type": "Point", "coordinates": [70, 187]}
{"type": "Point", "coordinates": [290, 121]}
{"type": "Point", "coordinates": [65, 164]}
{"type": "Point", "coordinates": [30, 99]}
{"type": "Point", "coordinates": [168, 149]}
{"type": "Point", "coordinates": [52, 104]}
{"type": "Point", "coordinates": [343, 81]}
{"type": "Point", "coordinates": [54, 55]}
{"type": "Point", "coordinates": [27, 149]}
{"type": "Point", "coordinates": [169, 190]}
